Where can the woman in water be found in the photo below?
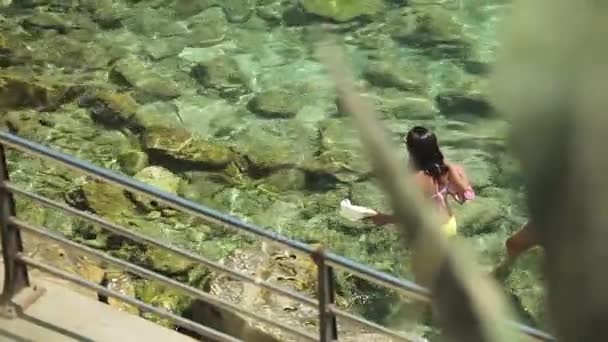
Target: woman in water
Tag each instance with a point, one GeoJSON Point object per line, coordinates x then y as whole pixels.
{"type": "Point", "coordinates": [438, 179]}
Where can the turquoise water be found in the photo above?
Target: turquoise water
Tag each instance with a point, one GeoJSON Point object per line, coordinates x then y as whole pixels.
{"type": "Point", "coordinates": [224, 103]}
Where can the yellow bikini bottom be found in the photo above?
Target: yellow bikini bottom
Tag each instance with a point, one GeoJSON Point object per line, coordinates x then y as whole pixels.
{"type": "Point", "coordinates": [450, 228]}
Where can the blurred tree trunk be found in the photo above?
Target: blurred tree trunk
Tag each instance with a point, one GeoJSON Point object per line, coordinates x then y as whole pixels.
{"type": "Point", "coordinates": [552, 81]}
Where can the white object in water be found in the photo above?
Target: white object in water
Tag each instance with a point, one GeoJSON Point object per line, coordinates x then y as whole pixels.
{"type": "Point", "coordinates": [355, 212]}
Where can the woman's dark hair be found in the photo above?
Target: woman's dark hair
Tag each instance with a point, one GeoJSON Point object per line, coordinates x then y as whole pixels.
{"type": "Point", "coordinates": [424, 152]}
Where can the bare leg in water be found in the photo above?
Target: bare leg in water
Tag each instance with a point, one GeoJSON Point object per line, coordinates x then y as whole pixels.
{"type": "Point", "coordinates": [516, 244]}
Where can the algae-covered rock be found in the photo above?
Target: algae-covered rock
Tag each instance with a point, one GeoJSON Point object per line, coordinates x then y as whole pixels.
{"type": "Point", "coordinates": [221, 73]}
{"type": "Point", "coordinates": [432, 28]}
{"type": "Point", "coordinates": [287, 179]}
{"type": "Point", "coordinates": [107, 200]}
{"type": "Point", "coordinates": [163, 297]}
{"type": "Point", "coordinates": [168, 263]}
{"type": "Point", "coordinates": [208, 28]}
{"type": "Point", "coordinates": [157, 114]}
{"type": "Point", "coordinates": [22, 91]}
{"type": "Point", "coordinates": [155, 22]}
{"type": "Point", "coordinates": [275, 103]}
{"type": "Point", "coordinates": [526, 282]}
{"type": "Point", "coordinates": [132, 161]}
{"type": "Point", "coordinates": [48, 20]}
{"type": "Point", "coordinates": [341, 152]}
{"type": "Point", "coordinates": [470, 97]}
{"type": "Point", "coordinates": [453, 103]}
{"type": "Point", "coordinates": [342, 10]}
{"type": "Point", "coordinates": [389, 75]}
{"type": "Point", "coordinates": [401, 107]}
{"type": "Point", "coordinates": [273, 144]}
{"type": "Point", "coordinates": [160, 48]}
{"type": "Point", "coordinates": [187, 8]}
{"type": "Point", "coordinates": [65, 51]}
{"type": "Point", "coordinates": [179, 144]}
{"type": "Point", "coordinates": [160, 178]}
{"type": "Point", "coordinates": [138, 75]}
{"type": "Point", "coordinates": [110, 107]}
{"type": "Point", "coordinates": [122, 283]}
{"type": "Point", "coordinates": [238, 11]}
{"type": "Point", "coordinates": [479, 216]}
{"type": "Point", "coordinates": [202, 186]}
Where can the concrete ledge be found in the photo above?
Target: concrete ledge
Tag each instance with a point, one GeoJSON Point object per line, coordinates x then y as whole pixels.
{"type": "Point", "coordinates": [62, 314]}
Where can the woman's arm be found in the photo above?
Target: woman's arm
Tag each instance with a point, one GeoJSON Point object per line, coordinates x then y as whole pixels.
{"type": "Point", "coordinates": [382, 219]}
{"type": "Point", "coordinates": [459, 183]}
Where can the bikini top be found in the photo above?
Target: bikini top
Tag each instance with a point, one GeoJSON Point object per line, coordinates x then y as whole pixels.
{"type": "Point", "coordinates": [448, 189]}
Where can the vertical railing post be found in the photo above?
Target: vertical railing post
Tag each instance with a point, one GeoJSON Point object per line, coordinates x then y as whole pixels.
{"type": "Point", "coordinates": [15, 273]}
{"type": "Point", "coordinates": [328, 330]}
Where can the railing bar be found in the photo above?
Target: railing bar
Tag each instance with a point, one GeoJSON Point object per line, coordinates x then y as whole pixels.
{"type": "Point", "coordinates": [180, 321]}
{"type": "Point", "coordinates": [345, 315]}
{"type": "Point", "coordinates": [532, 332]}
{"type": "Point", "coordinates": [144, 273]}
{"type": "Point", "coordinates": [408, 288]}
{"type": "Point", "coordinates": [127, 183]}
{"type": "Point", "coordinates": [117, 229]}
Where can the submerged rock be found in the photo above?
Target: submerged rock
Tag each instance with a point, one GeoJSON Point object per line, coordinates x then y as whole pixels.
{"type": "Point", "coordinates": [182, 146]}
{"type": "Point", "coordinates": [275, 103]}
{"type": "Point", "coordinates": [22, 91]}
{"type": "Point", "coordinates": [479, 216]}
{"type": "Point", "coordinates": [168, 263]}
{"type": "Point", "coordinates": [202, 186]}
{"type": "Point", "coordinates": [63, 51]}
{"type": "Point", "coordinates": [389, 75]}
{"type": "Point", "coordinates": [48, 20]}
{"type": "Point", "coordinates": [157, 114]}
{"type": "Point", "coordinates": [137, 74]}
{"type": "Point", "coordinates": [286, 180]}
{"type": "Point", "coordinates": [456, 102]}
{"type": "Point", "coordinates": [162, 48]}
{"type": "Point", "coordinates": [208, 28]}
{"type": "Point", "coordinates": [110, 107]}
{"type": "Point", "coordinates": [221, 73]}
{"type": "Point", "coordinates": [431, 28]}
{"type": "Point", "coordinates": [341, 152]}
{"type": "Point", "coordinates": [107, 200]}
{"type": "Point", "coordinates": [153, 22]}
{"type": "Point", "coordinates": [342, 10]}
{"type": "Point", "coordinates": [132, 161]}
{"type": "Point", "coordinates": [270, 145]}
{"type": "Point", "coordinates": [160, 178]}
{"type": "Point", "coordinates": [238, 11]}
{"type": "Point", "coordinates": [163, 297]}
{"type": "Point", "coordinates": [187, 8]}
{"type": "Point", "coordinates": [526, 283]}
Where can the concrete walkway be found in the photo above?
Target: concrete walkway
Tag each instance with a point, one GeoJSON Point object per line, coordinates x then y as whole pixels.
{"type": "Point", "coordinates": [62, 314]}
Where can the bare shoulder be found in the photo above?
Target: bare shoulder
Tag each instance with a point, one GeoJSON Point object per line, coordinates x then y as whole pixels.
{"type": "Point", "coordinates": [425, 182]}
{"type": "Point", "coordinates": [457, 167]}
{"type": "Point", "coordinates": [458, 175]}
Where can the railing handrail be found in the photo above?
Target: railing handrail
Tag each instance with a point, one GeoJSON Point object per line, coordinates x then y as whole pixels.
{"type": "Point", "coordinates": [325, 260]}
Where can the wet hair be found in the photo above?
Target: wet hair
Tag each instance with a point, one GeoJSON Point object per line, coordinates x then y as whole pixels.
{"type": "Point", "coordinates": [424, 151]}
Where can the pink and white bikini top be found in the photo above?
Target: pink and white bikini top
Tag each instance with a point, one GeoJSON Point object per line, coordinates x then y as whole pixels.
{"type": "Point", "coordinates": [465, 196]}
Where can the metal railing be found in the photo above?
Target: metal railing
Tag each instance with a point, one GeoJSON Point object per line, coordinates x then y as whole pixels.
{"type": "Point", "coordinates": [16, 262]}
